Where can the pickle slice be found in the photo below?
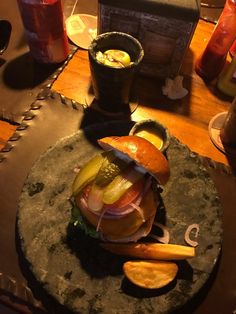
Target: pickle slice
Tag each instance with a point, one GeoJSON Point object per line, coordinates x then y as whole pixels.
{"type": "Point", "coordinates": [120, 185]}
{"type": "Point", "coordinates": [110, 168]}
{"type": "Point", "coordinates": [87, 173]}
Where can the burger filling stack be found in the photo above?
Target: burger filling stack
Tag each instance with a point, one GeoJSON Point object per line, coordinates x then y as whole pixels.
{"type": "Point", "coordinates": [117, 191]}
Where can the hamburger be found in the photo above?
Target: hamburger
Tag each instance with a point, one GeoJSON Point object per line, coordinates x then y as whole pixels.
{"type": "Point", "coordinates": [117, 193]}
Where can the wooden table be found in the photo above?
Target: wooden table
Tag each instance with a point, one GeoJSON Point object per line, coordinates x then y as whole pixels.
{"type": "Point", "coordinates": [187, 119]}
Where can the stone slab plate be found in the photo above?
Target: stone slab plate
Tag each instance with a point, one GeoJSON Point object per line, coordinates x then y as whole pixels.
{"type": "Point", "coordinates": [74, 269]}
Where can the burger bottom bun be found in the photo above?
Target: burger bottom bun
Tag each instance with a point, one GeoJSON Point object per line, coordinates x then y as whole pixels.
{"type": "Point", "coordinates": [129, 227]}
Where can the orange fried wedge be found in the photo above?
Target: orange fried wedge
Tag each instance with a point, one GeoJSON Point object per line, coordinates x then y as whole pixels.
{"type": "Point", "coordinates": [150, 274]}
{"type": "Point", "coordinates": [156, 251]}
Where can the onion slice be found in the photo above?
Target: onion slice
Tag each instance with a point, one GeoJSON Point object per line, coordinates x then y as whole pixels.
{"type": "Point", "coordinates": [100, 220]}
{"type": "Point", "coordinates": [166, 234]}
{"type": "Point", "coordinates": [139, 210]}
{"type": "Point", "coordinates": [187, 235]}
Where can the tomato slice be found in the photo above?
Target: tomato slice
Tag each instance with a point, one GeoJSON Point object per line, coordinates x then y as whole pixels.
{"type": "Point", "coordinates": [130, 195]}
{"type": "Point", "coordinates": [127, 198]}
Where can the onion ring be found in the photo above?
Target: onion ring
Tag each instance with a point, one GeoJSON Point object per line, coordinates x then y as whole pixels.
{"type": "Point", "coordinates": [187, 235]}
{"type": "Point", "coordinates": [139, 210]}
{"type": "Point", "coordinates": [166, 234]}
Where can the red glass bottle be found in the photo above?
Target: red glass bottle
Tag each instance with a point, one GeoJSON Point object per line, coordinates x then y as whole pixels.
{"type": "Point", "coordinates": [45, 29]}
{"type": "Point", "coordinates": [213, 58]}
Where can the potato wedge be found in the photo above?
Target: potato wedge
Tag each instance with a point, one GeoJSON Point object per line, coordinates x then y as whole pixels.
{"type": "Point", "coordinates": [156, 251]}
{"type": "Point", "coordinates": [150, 274]}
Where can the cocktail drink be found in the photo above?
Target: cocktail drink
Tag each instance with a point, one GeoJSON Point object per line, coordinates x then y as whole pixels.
{"type": "Point", "coordinates": [114, 59]}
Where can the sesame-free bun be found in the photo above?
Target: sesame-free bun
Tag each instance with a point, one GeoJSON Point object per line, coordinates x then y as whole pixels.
{"type": "Point", "coordinates": [144, 153]}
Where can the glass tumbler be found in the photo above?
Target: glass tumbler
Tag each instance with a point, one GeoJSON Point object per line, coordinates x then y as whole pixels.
{"type": "Point", "coordinates": [111, 85]}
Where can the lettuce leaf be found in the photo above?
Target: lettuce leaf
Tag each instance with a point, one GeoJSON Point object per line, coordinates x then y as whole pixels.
{"type": "Point", "coordinates": [79, 222]}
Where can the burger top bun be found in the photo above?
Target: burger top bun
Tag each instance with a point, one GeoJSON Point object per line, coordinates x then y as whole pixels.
{"type": "Point", "coordinates": [144, 153]}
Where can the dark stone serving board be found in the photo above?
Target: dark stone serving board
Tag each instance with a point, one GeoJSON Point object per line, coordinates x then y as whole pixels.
{"type": "Point", "coordinates": [74, 269]}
